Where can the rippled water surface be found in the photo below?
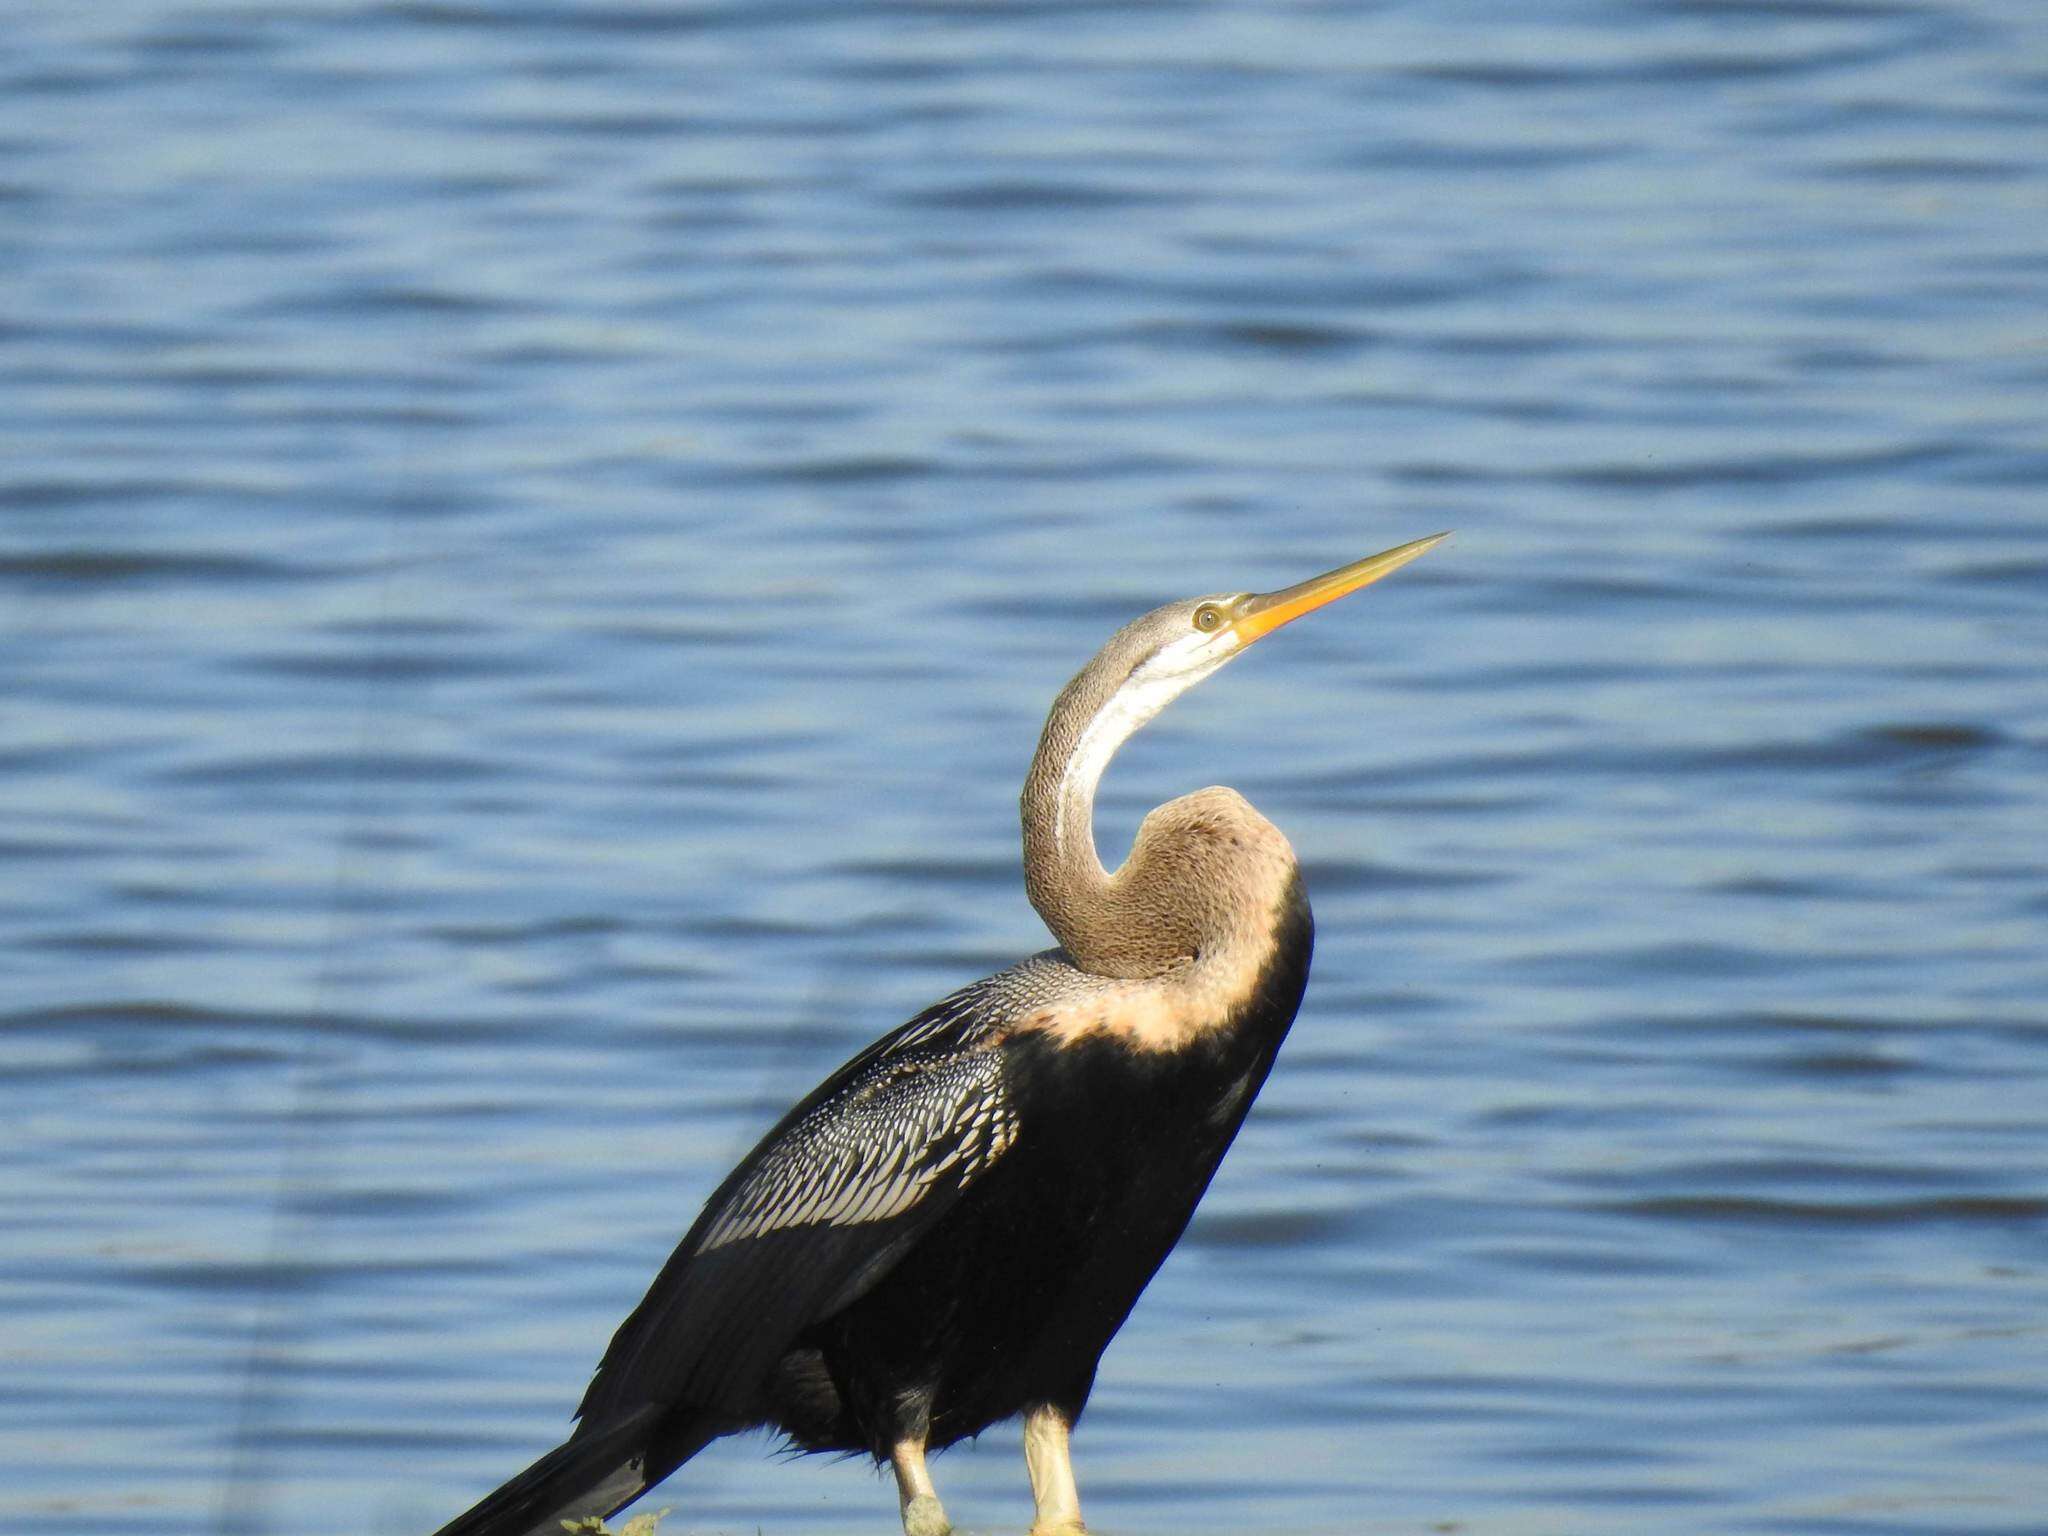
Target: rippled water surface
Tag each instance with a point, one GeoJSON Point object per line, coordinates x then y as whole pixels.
{"type": "Point", "coordinates": [535, 541]}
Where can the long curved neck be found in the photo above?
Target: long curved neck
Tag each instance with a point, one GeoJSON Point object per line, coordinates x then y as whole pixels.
{"type": "Point", "coordinates": [1103, 926]}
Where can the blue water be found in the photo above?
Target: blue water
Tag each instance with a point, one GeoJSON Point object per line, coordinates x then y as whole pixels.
{"type": "Point", "coordinates": [535, 541]}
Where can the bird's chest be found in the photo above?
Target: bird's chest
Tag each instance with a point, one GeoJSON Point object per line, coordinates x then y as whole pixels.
{"type": "Point", "coordinates": [1107, 1102]}
{"type": "Point", "coordinates": [1117, 1143]}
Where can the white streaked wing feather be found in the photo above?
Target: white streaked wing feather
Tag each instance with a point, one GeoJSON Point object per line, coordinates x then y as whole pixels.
{"type": "Point", "coordinates": [873, 1152]}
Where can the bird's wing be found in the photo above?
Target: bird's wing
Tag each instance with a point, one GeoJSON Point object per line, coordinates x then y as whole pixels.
{"type": "Point", "coordinates": [815, 1215]}
{"type": "Point", "coordinates": [873, 1152]}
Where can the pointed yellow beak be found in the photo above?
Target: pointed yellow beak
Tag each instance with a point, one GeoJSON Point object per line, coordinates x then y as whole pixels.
{"type": "Point", "coordinates": [1264, 612]}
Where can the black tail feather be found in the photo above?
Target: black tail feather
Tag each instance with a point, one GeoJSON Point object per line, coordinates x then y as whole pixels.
{"type": "Point", "coordinates": [598, 1472]}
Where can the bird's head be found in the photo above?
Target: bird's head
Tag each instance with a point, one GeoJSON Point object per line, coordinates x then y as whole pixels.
{"type": "Point", "coordinates": [1154, 659]}
{"type": "Point", "coordinates": [1149, 663]}
{"type": "Point", "coordinates": [1146, 665]}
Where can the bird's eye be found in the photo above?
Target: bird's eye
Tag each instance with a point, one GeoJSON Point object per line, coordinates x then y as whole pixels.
{"type": "Point", "coordinates": [1208, 617]}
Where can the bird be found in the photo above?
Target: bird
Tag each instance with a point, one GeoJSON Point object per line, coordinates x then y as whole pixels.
{"type": "Point", "coordinates": [948, 1232]}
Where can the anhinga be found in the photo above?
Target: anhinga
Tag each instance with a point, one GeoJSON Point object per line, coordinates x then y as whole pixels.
{"type": "Point", "coordinates": [949, 1231]}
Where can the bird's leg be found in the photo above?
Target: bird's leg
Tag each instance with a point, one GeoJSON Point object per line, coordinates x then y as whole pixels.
{"type": "Point", "coordinates": [923, 1514]}
{"type": "Point", "coordinates": [1046, 1432]}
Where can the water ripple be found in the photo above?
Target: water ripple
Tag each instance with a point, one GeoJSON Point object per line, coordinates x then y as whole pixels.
{"type": "Point", "coordinates": [534, 545]}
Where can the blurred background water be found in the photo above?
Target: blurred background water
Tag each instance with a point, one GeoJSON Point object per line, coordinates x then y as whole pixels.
{"type": "Point", "coordinates": [535, 540]}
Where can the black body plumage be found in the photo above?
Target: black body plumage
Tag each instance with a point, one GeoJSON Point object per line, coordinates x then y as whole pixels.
{"type": "Point", "coordinates": [948, 1231]}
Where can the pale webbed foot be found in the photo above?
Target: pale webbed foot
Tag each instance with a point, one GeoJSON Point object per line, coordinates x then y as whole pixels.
{"type": "Point", "coordinates": [1047, 1459]}
{"type": "Point", "coordinates": [924, 1515]}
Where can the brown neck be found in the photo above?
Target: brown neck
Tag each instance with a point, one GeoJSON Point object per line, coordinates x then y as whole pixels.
{"type": "Point", "coordinates": [1206, 871]}
{"type": "Point", "coordinates": [1063, 874]}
